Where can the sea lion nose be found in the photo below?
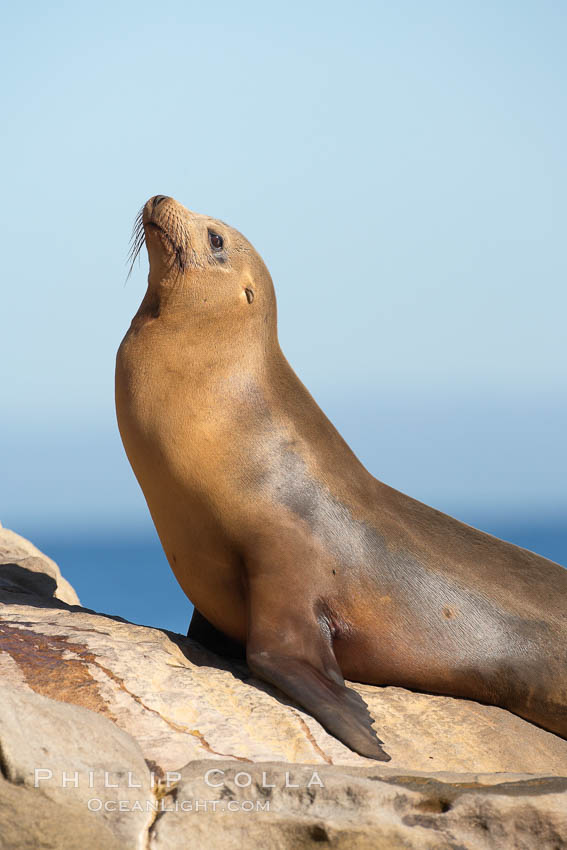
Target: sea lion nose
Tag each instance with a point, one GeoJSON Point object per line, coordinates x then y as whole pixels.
{"type": "Point", "coordinates": [158, 199]}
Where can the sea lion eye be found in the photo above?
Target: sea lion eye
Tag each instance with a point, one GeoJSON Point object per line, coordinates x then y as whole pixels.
{"type": "Point", "coordinates": [216, 241]}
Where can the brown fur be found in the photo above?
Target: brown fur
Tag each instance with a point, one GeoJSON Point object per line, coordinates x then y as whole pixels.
{"type": "Point", "coordinates": [283, 540]}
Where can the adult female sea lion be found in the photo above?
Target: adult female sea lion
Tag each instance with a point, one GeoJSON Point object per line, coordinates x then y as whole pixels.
{"type": "Point", "coordinates": [282, 539]}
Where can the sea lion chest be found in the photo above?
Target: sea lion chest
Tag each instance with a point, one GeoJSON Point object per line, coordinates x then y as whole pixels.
{"type": "Point", "coordinates": [176, 444]}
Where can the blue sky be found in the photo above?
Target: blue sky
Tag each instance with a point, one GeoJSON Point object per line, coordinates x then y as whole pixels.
{"type": "Point", "coordinates": [400, 167]}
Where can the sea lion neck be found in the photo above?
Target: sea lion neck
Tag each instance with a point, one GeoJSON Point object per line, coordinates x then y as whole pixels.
{"type": "Point", "coordinates": [190, 336]}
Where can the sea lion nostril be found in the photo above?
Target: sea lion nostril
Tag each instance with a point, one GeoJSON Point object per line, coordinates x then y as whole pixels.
{"type": "Point", "coordinates": [157, 200]}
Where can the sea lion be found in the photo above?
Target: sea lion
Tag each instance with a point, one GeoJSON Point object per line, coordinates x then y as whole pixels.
{"type": "Point", "coordinates": [282, 539]}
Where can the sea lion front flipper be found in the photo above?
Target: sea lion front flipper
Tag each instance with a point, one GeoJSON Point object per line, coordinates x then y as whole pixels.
{"type": "Point", "coordinates": [296, 657]}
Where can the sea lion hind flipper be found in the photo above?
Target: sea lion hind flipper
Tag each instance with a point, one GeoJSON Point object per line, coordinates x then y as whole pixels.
{"type": "Point", "coordinates": [339, 709]}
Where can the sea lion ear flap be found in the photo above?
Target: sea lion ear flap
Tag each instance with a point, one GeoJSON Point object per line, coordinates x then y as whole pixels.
{"type": "Point", "coordinates": [248, 287]}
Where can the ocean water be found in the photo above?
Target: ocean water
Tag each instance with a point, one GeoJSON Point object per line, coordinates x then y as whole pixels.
{"type": "Point", "coordinates": [129, 575]}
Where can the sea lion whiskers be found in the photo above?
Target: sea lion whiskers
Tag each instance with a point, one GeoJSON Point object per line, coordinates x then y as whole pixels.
{"type": "Point", "coordinates": [137, 240]}
{"type": "Point", "coordinates": [175, 232]}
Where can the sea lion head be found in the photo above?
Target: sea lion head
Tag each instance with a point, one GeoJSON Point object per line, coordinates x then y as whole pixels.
{"type": "Point", "coordinates": [201, 267]}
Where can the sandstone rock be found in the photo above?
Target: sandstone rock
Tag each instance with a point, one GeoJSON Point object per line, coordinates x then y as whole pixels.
{"type": "Point", "coordinates": [74, 758]}
{"type": "Point", "coordinates": [29, 821]}
{"type": "Point", "coordinates": [277, 806]}
{"type": "Point", "coordinates": [462, 774]}
{"type": "Point", "coordinates": [24, 569]}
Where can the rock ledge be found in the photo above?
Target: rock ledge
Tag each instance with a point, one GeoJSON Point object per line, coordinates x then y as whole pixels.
{"type": "Point", "coordinates": [117, 735]}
